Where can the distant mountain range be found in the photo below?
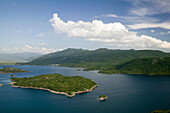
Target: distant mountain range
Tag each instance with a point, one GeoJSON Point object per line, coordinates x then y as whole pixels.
{"type": "Point", "coordinates": [25, 56]}
{"type": "Point", "coordinates": [110, 61]}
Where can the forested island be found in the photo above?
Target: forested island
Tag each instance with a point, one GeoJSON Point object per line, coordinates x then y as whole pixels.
{"type": "Point", "coordinates": [150, 62]}
{"type": "Point", "coordinates": [11, 70]}
{"type": "Point", "coordinates": [56, 83]}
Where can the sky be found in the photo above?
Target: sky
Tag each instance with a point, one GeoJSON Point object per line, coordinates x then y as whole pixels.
{"type": "Point", "coordinates": [45, 26]}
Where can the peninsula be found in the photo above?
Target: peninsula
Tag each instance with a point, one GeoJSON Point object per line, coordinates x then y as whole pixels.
{"type": "Point", "coordinates": [11, 70]}
{"type": "Point", "coordinates": [56, 83]}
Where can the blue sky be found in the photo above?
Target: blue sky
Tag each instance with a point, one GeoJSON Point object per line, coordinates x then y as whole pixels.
{"type": "Point", "coordinates": [25, 25]}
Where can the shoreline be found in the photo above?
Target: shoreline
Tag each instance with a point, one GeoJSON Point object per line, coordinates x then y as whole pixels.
{"type": "Point", "coordinates": [56, 92]}
{"type": "Point", "coordinates": [59, 65]}
{"type": "Point", "coordinates": [13, 72]}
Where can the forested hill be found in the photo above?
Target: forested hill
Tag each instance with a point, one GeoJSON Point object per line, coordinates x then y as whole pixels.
{"type": "Point", "coordinates": [151, 66]}
{"type": "Point", "coordinates": [79, 57]}
{"type": "Point", "coordinates": [110, 61]}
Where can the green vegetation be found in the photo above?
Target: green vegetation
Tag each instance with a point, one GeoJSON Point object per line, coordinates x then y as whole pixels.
{"type": "Point", "coordinates": [151, 66]}
{"type": "Point", "coordinates": [56, 82]}
{"type": "Point", "coordinates": [79, 70]}
{"type": "Point", "coordinates": [161, 111]}
{"type": "Point", "coordinates": [110, 61]}
{"type": "Point", "coordinates": [97, 58]}
{"type": "Point", "coordinates": [11, 70]}
{"type": "Point", "coordinates": [102, 97]}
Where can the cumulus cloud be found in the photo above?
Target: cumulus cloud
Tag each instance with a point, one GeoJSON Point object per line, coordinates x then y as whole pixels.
{"type": "Point", "coordinates": [113, 34]}
{"type": "Point", "coordinates": [28, 48]}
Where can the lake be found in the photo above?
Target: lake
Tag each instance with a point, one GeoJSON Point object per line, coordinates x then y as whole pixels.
{"type": "Point", "coordinates": [126, 93]}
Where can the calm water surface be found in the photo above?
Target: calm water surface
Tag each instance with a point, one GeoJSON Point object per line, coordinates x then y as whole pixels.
{"type": "Point", "coordinates": [126, 93]}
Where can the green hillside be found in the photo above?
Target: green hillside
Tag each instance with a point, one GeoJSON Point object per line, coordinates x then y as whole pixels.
{"type": "Point", "coordinates": [151, 66]}
{"type": "Point", "coordinates": [101, 59]}
{"type": "Point", "coordinates": [79, 56]}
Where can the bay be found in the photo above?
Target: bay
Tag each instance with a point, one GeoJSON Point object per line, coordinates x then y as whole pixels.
{"type": "Point", "coordinates": [126, 93]}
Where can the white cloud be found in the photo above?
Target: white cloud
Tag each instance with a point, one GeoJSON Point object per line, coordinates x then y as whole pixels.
{"type": "Point", "coordinates": [152, 31]}
{"type": "Point", "coordinates": [40, 35]}
{"type": "Point", "coordinates": [130, 19]}
{"type": "Point", "coordinates": [140, 11]}
{"type": "Point", "coordinates": [110, 15]}
{"type": "Point", "coordinates": [150, 7]}
{"type": "Point", "coordinates": [164, 33]}
{"type": "Point", "coordinates": [28, 48]}
{"type": "Point", "coordinates": [114, 34]}
{"type": "Point", "coordinates": [42, 44]}
{"type": "Point", "coordinates": [165, 25]}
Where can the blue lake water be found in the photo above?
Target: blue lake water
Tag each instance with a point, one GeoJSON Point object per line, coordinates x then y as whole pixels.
{"type": "Point", "coordinates": [126, 93]}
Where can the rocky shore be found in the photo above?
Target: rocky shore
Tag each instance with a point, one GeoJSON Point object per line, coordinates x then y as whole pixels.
{"type": "Point", "coordinates": [1, 85]}
{"type": "Point", "coordinates": [102, 97]}
{"type": "Point", "coordinates": [56, 92]}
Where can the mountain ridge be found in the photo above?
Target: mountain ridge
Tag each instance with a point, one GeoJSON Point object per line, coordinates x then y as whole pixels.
{"type": "Point", "coordinates": [103, 59]}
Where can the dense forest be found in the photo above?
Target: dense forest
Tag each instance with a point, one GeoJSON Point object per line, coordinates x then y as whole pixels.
{"type": "Point", "coordinates": [151, 66]}
{"type": "Point", "coordinates": [106, 60]}
{"type": "Point", "coordinates": [56, 82]}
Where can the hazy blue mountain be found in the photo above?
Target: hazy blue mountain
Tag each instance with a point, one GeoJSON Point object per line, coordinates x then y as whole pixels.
{"type": "Point", "coordinates": [25, 56]}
